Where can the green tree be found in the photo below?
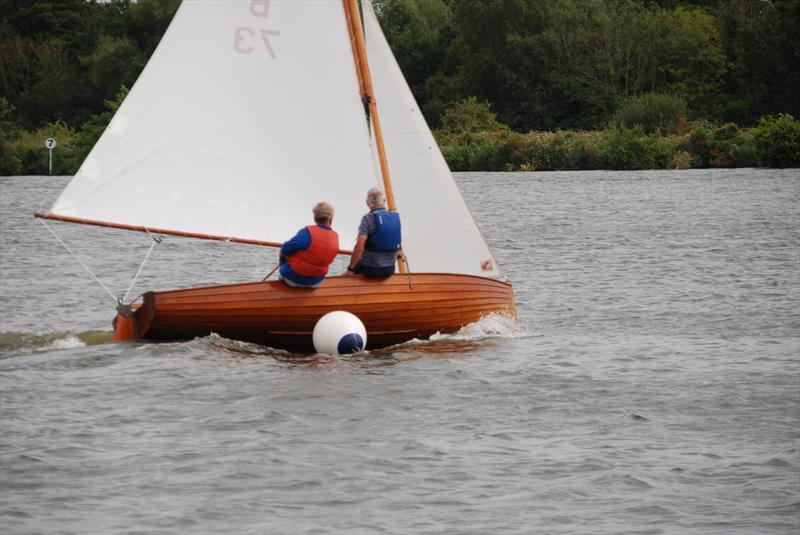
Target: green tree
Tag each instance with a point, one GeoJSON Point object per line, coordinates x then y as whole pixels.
{"type": "Point", "coordinates": [95, 125]}
{"type": "Point", "coordinates": [759, 39]}
{"type": "Point", "coordinates": [600, 53]}
{"type": "Point", "coordinates": [499, 51]}
{"type": "Point", "coordinates": [777, 139]}
{"type": "Point", "coordinates": [654, 112]}
{"type": "Point", "coordinates": [420, 32]}
{"type": "Point", "coordinates": [472, 116]}
{"type": "Point", "coordinates": [40, 80]}
{"type": "Point", "coordinates": [626, 148]}
{"type": "Point", "coordinates": [9, 163]}
{"type": "Point", "coordinates": [148, 20]}
{"type": "Point", "coordinates": [44, 19]}
{"type": "Point", "coordinates": [692, 58]}
{"type": "Point", "coordinates": [116, 61]}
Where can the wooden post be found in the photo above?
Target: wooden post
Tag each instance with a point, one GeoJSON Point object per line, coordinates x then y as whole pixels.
{"type": "Point", "coordinates": [365, 83]}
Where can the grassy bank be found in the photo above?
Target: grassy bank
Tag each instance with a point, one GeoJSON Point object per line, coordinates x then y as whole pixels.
{"type": "Point", "coordinates": [774, 143]}
{"type": "Point", "coordinates": [472, 139]}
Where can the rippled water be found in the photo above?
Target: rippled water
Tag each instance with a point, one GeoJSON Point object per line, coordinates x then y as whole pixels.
{"type": "Point", "coordinates": [651, 386]}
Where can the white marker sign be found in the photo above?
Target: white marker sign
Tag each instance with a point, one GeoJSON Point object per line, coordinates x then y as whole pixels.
{"type": "Point", "coordinates": [50, 143]}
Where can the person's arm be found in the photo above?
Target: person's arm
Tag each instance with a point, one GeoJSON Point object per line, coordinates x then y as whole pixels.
{"type": "Point", "coordinates": [300, 242]}
{"type": "Point", "coordinates": [358, 252]}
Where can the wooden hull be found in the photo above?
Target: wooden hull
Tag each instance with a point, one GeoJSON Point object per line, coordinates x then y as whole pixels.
{"type": "Point", "coordinates": [393, 310]}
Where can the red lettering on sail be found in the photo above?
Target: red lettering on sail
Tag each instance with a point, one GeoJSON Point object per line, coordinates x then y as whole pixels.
{"type": "Point", "coordinates": [265, 37]}
{"type": "Point", "coordinates": [244, 36]}
{"type": "Point", "coordinates": [259, 8]}
{"type": "Point", "coordinates": [240, 40]}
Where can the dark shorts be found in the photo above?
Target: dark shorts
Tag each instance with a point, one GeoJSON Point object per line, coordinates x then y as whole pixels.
{"type": "Point", "coordinates": [373, 272]}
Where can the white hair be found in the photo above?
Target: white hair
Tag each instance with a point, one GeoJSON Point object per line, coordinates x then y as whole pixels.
{"type": "Point", "coordinates": [375, 198]}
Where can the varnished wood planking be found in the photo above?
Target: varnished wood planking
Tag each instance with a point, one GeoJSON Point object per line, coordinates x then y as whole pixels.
{"type": "Point", "coordinates": [431, 299]}
{"type": "Point", "coordinates": [277, 290]}
{"type": "Point", "coordinates": [274, 314]}
{"type": "Point", "coordinates": [386, 319]}
{"type": "Point", "coordinates": [373, 311]}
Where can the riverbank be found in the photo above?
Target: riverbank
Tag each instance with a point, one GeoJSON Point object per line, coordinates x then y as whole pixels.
{"type": "Point", "coordinates": [483, 144]}
{"type": "Point", "coordinates": [775, 142]}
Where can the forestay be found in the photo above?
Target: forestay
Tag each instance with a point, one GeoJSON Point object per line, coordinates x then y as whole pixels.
{"type": "Point", "coordinates": [247, 114]}
{"type": "Point", "coordinates": [439, 233]}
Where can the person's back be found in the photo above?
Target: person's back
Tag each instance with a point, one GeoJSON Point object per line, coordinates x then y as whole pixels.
{"type": "Point", "coordinates": [379, 239]}
{"type": "Point", "coordinates": [311, 251]}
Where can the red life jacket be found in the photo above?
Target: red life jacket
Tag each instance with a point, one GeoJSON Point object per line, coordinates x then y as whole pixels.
{"type": "Point", "coordinates": [314, 261]}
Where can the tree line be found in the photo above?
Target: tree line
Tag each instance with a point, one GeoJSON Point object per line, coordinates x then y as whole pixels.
{"type": "Point", "coordinates": [539, 65]}
{"type": "Point", "coordinates": [567, 64]}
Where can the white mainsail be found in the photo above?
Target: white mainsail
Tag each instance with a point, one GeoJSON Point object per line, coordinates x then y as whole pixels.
{"type": "Point", "coordinates": [247, 114]}
{"type": "Point", "coordinates": [439, 233]}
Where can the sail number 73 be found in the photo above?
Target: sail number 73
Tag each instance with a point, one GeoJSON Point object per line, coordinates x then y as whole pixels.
{"type": "Point", "coordinates": [244, 37]}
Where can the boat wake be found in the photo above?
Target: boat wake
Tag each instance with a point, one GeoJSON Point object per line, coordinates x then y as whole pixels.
{"type": "Point", "coordinates": [491, 326]}
{"type": "Point", "coordinates": [12, 343]}
{"type": "Point", "coordinates": [494, 326]}
{"type": "Point", "coordinates": [240, 348]}
{"type": "Point", "coordinates": [471, 337]}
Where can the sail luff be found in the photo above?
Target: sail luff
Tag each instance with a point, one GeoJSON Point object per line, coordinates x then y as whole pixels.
{"type": "Point", "coordinates": [439, 231]}
{"type": "Point", "coordinates": [367, 92]}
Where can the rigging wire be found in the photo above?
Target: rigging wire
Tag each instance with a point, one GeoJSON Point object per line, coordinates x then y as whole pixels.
{"type": "Point", "coordinates": [156, 241]}
{"type": "Point", "coordinates": [80, 261]}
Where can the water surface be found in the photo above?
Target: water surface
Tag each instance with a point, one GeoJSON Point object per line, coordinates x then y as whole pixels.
{"type": "Point", "coordinates": [652, 384]}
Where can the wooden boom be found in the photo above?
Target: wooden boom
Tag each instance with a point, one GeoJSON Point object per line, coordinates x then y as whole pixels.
{"type": "Point", "coordinates": [153, 230]}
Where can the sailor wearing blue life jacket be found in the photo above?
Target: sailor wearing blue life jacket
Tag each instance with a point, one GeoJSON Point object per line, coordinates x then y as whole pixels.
{"type": "Point", "coordinates": [306, 257]}
{"type": "Point", "coordinates": [379, 243]}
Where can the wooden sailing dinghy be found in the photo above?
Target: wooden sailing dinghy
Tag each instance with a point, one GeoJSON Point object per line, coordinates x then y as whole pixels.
{"type": "Point", "coordinates": [247, 114]}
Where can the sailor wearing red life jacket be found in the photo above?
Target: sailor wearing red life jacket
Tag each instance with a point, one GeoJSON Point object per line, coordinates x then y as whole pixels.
{"type": "Point", "coordinates": [309, 253]}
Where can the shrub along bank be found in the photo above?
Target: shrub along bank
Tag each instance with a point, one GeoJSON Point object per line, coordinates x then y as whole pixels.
{"type": "Point", "coordinates": [472, 139]}
{"type": "Point", "coordinates": [485, 145]}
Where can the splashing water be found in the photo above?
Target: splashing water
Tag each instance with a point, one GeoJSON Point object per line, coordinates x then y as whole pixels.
{"type": "Point", "coordinates": [15, 342]}
{"type": "Point", "coordinates": [491, 326]}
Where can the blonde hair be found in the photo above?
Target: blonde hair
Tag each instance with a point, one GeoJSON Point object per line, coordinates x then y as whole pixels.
{"type": "Point", "coordinates": [323, 213]}
{"type": "Point", "coordinates": [375, 198]}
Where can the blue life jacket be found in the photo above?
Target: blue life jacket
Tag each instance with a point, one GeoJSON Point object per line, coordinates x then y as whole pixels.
{"type": "Point", "coordinates": [387, 235]}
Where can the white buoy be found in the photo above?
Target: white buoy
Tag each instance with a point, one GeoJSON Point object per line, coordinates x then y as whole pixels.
{"type": "Point", "coordinates": [339, 333]}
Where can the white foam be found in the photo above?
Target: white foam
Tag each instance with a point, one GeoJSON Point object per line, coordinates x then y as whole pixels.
{"type": "Point", "coordinates": [68, 342]}
{"type": "Point", "coordinates": [239, 346]}
{"type": "Point", "coordinates": [491, 326]}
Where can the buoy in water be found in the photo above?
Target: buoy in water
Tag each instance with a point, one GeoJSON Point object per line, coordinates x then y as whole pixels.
{"type": "Point", "coordinates": [339, 333]}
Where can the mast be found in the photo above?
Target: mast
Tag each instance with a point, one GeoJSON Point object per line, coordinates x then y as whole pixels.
{"type": "Point", "coordinates": [365, 84]}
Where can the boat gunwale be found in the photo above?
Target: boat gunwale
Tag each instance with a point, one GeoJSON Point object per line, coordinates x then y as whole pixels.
{"type": "Point", "coordinates": [393, 280]}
